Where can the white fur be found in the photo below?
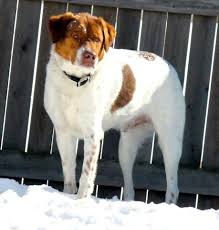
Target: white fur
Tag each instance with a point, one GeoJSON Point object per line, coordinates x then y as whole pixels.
{"type": "Point", "coordinates": [85, 112]}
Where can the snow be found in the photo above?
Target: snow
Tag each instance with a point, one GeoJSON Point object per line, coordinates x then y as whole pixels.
{"type": "Point", "coordinates": [42, 207]}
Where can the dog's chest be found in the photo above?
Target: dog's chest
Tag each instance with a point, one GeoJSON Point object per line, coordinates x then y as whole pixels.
{"type": "Point", "coordinates": [75, 114]}
{"type": "Point", "coordinates": [73, 110]}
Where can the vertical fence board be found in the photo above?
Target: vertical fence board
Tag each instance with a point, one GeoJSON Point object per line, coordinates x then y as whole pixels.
{"type": "Point", "coordinates": [211, 156]}
{"type": "Point", "coordinates": [7, 16]}
{"type": "Point", "coordinates": [175, 52]}
{"type": "Point", "coordinates": [75, 8]}
{"type": "Point", "coordinates": [108, 13]}
{"type": "Point", "coordinates": [127, 29]}
{"type": "Point", "coordinates": [153, 32]}
{"type": "Point", "coordinates": [197, 88]}
{"type": "Point", "coordinates": [176, 42]}
{"type": "Point", "coordinates": [110, 146]}
{"type": "Point", "coordinates": [41, 126]}
{"type": "Point", "coordinates": [21, 75]}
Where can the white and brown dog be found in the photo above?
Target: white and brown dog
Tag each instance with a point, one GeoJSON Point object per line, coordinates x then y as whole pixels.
{"type": "Point", "coordinates": [91, 88]}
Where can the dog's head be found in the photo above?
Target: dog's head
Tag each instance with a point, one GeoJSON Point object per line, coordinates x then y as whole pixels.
{"type": "Point", "coordinates": [80, 41]}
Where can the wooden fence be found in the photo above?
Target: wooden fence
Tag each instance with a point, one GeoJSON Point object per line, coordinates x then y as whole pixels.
{"type": "Point", "coordinates": [184, 32]}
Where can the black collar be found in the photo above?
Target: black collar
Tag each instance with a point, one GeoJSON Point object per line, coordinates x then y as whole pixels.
{"type": "Point", "coordinates": [79, 80]}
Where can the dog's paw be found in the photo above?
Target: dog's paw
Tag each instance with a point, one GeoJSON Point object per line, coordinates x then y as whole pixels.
{"type": "Point", "coordinates": [84, 191]}
{"type": "Point", "coordinates": [128, 195]}
{"type": "Point", "coordinates": [171, 197]}
{"type": "Point", "coordinates": [70, 188]}
{"type": "Point", "coordinates": [82, 194]}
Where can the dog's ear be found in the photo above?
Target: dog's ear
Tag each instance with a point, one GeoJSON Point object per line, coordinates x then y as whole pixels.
{"type": "Point", "coordinates": [109, 33]}
{"type": "Point", "coordinates": [58, 25]}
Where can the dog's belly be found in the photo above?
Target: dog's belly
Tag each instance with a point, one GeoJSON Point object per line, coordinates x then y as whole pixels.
{"type": "Point", "coordinates": [124, 119]}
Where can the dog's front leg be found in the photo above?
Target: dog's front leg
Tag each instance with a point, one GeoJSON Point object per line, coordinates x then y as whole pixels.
{"type": "Point", "coordinates": [91, 152]}
{"type": "Point", "coordinates": [67, 149]}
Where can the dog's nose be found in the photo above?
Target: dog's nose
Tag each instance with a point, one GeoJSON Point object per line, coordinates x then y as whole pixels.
{"type": "Point", "coordinates": [88, 58]}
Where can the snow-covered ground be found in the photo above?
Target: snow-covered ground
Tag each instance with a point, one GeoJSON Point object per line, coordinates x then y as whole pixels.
{"type": "Point", "coordinates": [42, 207]}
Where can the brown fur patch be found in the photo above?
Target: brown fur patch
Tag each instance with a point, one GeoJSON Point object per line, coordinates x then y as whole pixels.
{"type": "Point", "coordinates": [172, 195]}
{"type": "Point", "coordinates": [86, 172]}
{"type": "Point", "coordinates": [127, 90]}
{"type": "Point", "coordinates": [58, 25]}
{"type": "Point", "coordinates": [89, 163]}
{"type": "Point", "coordinates": [147, 55]}
{"type": "Point", "coordinates": [140, 120]}
{"type": "Point", "coordinates": [66, 48]}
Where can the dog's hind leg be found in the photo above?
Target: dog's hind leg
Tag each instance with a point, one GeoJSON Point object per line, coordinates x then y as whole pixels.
{"type": "Point", "coordinates": [67, 149]}
{"type": "Point", "coordinates": [170, 137]}
{"type": "Point", "coordinates": [171, 148]}
{"type": "Point", "coordinates": [128, 146]}
{"type": "Point", "coordinates": [167, 112]}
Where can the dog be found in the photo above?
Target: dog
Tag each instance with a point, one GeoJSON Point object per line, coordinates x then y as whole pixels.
{"type": "Point", "coordinates": [91, 87]}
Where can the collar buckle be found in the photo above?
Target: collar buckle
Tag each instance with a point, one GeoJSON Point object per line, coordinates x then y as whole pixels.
{"type": "Point", "coordinates": [83, 80]}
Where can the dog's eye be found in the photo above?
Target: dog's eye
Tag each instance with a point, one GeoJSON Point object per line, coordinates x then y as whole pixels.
{"type": "Point", "coordinates": [76, 37]}
{"type": "Point", "coordinates": [95, 39]}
